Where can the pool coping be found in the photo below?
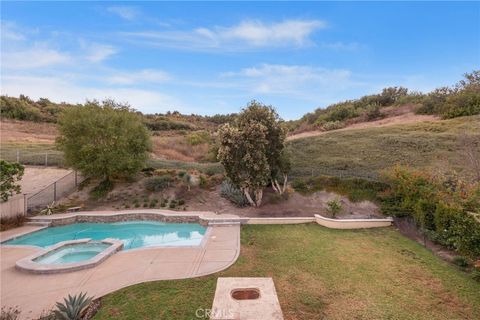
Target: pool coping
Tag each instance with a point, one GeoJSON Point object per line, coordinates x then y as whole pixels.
{"type": "Point", "coordinates": [28, 264]}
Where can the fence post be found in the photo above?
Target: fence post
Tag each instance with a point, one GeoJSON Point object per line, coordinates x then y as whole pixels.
{"type": "Point", "coordinates": [55, 191]}
{"type": "Point", "coordinates": [18, 156]}
{"type": "Point", "coordinates": [25, 204]}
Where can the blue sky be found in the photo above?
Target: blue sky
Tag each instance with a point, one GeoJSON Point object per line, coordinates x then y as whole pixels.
{"type": "Point", "coordinates": [214, 57]}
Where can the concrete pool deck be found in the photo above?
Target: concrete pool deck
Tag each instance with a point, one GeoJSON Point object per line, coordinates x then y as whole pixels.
{"type": "Point", "coordinates": [33, 294]}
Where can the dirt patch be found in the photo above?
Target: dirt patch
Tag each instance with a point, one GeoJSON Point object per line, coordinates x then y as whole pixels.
{"type": "Point", "coordinates": [395, 116]}
{"type": "Point", "coordinates": [36, 178]}
{"type": "Point", "coordinates": [133, 195]}
{"type": "Point", "coordinates": [13, 131]}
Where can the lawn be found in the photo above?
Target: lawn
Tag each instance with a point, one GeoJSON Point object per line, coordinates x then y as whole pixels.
{"type": "Point", "coordinates": [364, 152]}
{"type": "Point", "coordinates": [320, 273]}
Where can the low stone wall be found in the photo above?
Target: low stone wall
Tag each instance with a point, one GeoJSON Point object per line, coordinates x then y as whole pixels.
{"type": "Point", "coordinates": [60, 220]}
{"type": "Point", "coordinates": [287, 220]}
{"type": "Point", "coordinates": [353, 223]}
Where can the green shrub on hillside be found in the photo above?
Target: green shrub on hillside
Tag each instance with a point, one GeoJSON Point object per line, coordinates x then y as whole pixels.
{"type": "Point", "coordinates": [197, 138]}
{"type": "Point", "coordinates": [157, 183]}
{"type": "Point", "coordinates": [445, 210]}
{"type": "Point", "coordinates": [333, 125]}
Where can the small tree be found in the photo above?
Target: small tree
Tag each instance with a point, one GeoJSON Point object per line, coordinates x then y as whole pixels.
{"type": "Point", "coordinates": [103, 140]}
{"type": "Point", "coordinates": [243, 154]}
{"type": "Point", "coordinates": [334, 207]}
{"type": "Point", "coordinates": [252, 151]}
{"type": "Point", "coordinates": [10, 173]}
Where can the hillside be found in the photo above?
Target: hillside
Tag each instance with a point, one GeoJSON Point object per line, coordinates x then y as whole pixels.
{"type": "Point", "coordinates": [391, 116]}
{"type": "Point", "coordinates": [365, 152]}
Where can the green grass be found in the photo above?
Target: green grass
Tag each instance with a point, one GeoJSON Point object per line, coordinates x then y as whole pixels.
{"type": "Point", "coordinates": [364, 152]}
{"type": "Point", "coordinates": [320, 273]}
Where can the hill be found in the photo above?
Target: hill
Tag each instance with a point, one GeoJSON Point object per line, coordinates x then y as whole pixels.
{"type": "Point", "coordinates": [365, 152]}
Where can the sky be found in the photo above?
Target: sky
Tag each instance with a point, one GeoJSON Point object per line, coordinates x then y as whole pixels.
{"type": "Point", "coordinates": [215, 57]}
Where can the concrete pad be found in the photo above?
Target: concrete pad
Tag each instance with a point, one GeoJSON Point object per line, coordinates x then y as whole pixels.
{"type": "Point", "coordinates": [34, 293]}
{"type": "Point", "coordinates": [219, 255]}
{"type": "Point", "coordinates": [263, 304]}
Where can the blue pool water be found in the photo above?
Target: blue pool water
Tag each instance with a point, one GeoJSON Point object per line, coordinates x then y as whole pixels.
{"type": "Point", "coordinates": [134, 234]}
{"type": "Point", "coordinates": [73, 253]}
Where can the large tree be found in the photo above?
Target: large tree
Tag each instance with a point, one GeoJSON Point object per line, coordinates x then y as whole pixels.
{"type": "Point", "coordinates": [251, 150]}
{"type": "Point", "coordinates": [103, 140]}
{"type": "Point", "coordinates": [10, 174]}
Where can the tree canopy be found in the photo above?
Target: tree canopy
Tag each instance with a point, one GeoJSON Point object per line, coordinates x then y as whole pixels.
{"type": "Point", "coordinates": [251, 150]}
{"type": "Point", "coordinates": [10, 174]}
{"type": "Point", "coordinates": [103, 140]}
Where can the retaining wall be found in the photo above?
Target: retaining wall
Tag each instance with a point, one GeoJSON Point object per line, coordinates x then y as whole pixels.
{"type": "Point", "coordinates": [353, 223]}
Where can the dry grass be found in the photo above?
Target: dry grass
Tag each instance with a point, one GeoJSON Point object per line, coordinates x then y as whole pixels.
{"type": "Point", "coordinates": [320, 273]}
{"type": "Point", "coordinates": [176, 147]}
{"type": "Point", "coordinates": [13, 131]}
{"type": "Point", "coordinates": [365, 152]}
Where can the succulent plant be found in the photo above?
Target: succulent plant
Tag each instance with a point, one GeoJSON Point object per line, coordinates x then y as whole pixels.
{"type": "Point", "coordinates": [72, 307]}
{"type": "Point", "coordinates": [232, 193]}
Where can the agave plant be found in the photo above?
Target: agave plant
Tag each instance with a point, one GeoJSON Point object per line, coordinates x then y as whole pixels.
{"type": "Point", "coordinates": [49, 209]}
{"type": "Point", "coordinates": [72, 307]}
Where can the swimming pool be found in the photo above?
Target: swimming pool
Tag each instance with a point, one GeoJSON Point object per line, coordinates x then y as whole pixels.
{"type": "Point", "coordinates": [134, 234]}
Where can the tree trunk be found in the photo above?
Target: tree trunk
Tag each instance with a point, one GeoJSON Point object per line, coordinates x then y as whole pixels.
{"type": "Point", "coordinates": [274, 187]}
{"type": "Point", "coordinates": [258, 197]}
{"type": "Point", "coordinates": [249, 197]}
{"type": "Point", "coordinates": [285, 179]}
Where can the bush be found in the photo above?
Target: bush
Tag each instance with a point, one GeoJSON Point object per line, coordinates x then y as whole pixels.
{"type": "Point", "coordinates": [334, 207]}
{"type": "Point", "coordinates": [444, 210]}
{"type": "Point", "coordinates": [233, 194]}
{"type": "Point", "coordinates": [103, 140]}
{"type": "Point", "coordinates": [102, 189]}
{"type": "Point", "coordinates": [333, 125]}
{"type": "Point", "coordinates": [476, 274]}
{"type": "Point", "coordinates": [157, 183]}
{"type": "Point", "coordinates": [197, 138]}
{"type": "Point", "coordinates": [373, 112]}
{"type": "Point", "coordinates": [460, 261]}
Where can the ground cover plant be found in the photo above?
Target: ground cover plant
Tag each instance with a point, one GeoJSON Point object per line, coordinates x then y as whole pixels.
{"type": "Point", "coordinates": [320, 273]}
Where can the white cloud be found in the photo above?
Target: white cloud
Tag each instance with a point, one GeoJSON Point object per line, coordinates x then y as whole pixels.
{"type": "Point", "coordinates": [37, 56]}
{"type": "Point", "coordinates": [99, 52]}
{"type": "Point", "coordinates": [62, 89]}
{"type": "Point", "coordinates": [297, 80]}
{"type": "Point", "coordinates": [9, 32]}
{"type": "Point", "coordinates": [125, 12]}
{"type": "Point", "coordinates": [287, 32]}
{"type": "Point", "coordinates": [247, 34]}
{"type": "Point", "coordinates": [142, 76]}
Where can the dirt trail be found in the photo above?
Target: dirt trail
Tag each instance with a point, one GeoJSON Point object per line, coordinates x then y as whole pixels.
{"type": "Point", "coordinates": [405, 118]}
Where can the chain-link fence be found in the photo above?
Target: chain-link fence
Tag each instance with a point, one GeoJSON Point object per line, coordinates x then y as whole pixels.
{"type": "Point", "coordinates": [54, 192]}
{"type": "Point", "coordinates": [37, 158]}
